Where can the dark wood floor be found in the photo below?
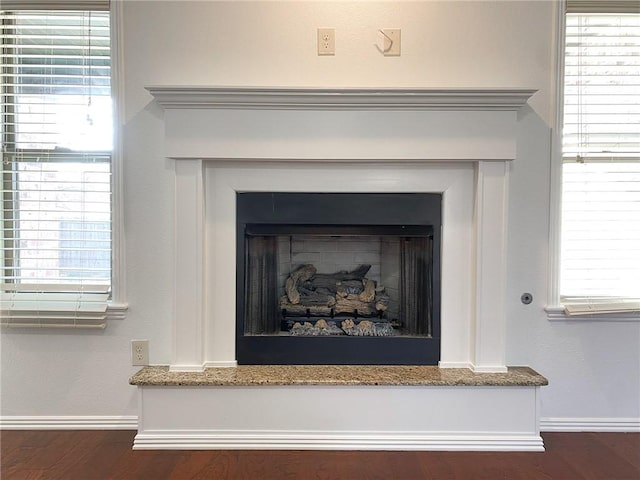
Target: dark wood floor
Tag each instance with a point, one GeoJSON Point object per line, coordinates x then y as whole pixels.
{"type": "Point", "coordinates": [98, 455]}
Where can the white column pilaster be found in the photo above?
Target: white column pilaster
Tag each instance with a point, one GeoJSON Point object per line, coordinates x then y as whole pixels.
{"type": "Point", "coordinates": [189, 266]}
{"type": "Point", "coordinates": [489, 348]}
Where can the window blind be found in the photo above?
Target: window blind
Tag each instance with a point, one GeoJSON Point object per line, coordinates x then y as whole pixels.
{"type": "Point", "coordinates": [600, 252]}
{"type": "Point", "coordinates": [78, 5]}
{"type": "Point", "coordinates": [56, 166]}
{"type": "Point", "coordinates": [602, 86]}
{"type": "Point", "coordinates": [54, 305]}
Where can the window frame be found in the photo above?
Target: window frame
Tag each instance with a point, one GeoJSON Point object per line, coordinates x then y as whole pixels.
{"type": "Point", "coordinates": [116, 307]}
{"type": "Point", "coordinates": [555, 309]}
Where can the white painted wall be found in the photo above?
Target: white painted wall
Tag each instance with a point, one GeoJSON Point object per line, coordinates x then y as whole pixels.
{"type": "Point", "coordinates": [593, 368]}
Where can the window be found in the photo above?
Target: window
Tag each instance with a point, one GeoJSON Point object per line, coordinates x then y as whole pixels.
{"type": "Point", "coordinates": [600, 239]}
{"type": "Point", "coordinates": [57, 137]}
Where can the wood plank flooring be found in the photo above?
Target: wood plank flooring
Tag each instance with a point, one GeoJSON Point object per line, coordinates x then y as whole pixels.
{"type": "Point", "coordinates": [107, 455]}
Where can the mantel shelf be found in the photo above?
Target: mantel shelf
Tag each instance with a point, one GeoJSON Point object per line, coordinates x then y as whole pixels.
{"type": "Point", "coordinates": [202, 97]}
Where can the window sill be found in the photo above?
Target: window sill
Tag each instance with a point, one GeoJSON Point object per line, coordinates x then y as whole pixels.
{"type": "Point", "coordinates": [117, 311]}
{"type": "Point", "coordinates": [557, 313]}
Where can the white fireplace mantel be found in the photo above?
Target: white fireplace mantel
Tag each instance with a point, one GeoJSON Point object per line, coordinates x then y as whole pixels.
{"type": "Point", "coordinates": [180, 97]}
{"type": "Point", "coordinates": [340, 124]}
{"type": "Point", "coordinates": [457, 142]}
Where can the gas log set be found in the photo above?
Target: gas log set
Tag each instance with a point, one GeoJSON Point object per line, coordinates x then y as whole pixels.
{"type": "Point", "coordinates": [350, 298]}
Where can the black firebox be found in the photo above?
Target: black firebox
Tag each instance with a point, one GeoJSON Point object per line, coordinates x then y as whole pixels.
{"type": "Point", "coordinates": [338, 278]}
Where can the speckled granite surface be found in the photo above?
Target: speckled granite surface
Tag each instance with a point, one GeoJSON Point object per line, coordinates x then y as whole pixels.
{"type": "Point", "coordinates": [251, 375]}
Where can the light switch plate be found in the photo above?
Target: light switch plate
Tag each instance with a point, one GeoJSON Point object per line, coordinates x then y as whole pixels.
{"type": "Point", "coordinates": [391, 42]}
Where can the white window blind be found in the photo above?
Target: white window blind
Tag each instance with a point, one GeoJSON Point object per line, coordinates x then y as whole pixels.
{"type": "Point", "coordinates": [600, 252]}
{"type": "Point", "coordinates": [56, 167]}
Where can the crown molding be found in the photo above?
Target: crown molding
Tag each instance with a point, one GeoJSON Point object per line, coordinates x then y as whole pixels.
{"type": "Point", "coordinates": [192, 97]}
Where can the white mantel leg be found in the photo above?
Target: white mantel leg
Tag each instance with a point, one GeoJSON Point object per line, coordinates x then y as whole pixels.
{"type": "Point", "coordinates": [189, 266]}
{"type": "Point", "coordinates": [488, 353]}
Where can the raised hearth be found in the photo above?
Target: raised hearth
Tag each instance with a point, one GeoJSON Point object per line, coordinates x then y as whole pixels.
{"type": "Point", "coordinates": [255, 375]}
{"type": "Point", "coordinates": [339, 407]}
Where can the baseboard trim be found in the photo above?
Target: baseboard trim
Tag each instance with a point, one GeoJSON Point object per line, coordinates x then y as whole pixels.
{"type": "Point", "coordinates": [186, 368]}
{"type": "Point", "coordinates": [455, 365]}
{"type": "Point", "coordinates": [130, 422]}
{"type": "Point", "coordinates": [97, 422]}
{"type": "Point", "coordinates": [282, 440]}
{"type": "Point", "coordinates": [489, 368]}
{"type": "Point", "coordinates": [221, 364]}
{"type": "Point", "coordinates": [562, 424]}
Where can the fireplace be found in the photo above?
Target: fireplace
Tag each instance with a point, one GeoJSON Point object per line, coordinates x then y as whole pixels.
{"type": "Point", "coordinates": [454, 145]}
{"type": "Point", "coordinates": [335, 278]}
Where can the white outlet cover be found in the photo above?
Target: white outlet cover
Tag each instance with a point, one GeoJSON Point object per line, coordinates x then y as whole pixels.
{"type": "Point", "coordinates": [326, 41]}
{"type": "Point", "coordinates": [139, 353]}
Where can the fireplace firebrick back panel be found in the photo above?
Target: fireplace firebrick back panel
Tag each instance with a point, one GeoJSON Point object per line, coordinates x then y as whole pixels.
{"type": "Point", "coordinates": [272, 216]}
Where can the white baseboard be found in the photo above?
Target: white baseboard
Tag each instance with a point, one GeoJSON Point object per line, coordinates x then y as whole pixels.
{"type": "Point", "coordinates": [309, 440]}
{"type": "Point", "coordinates": [563, 424]}
{"type": "Point", "coordinates": [96, 422]}
{"type": "Point", "coordinates": [130, 422]}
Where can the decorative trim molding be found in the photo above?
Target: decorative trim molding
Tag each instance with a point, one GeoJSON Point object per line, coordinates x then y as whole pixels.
{"type": "Point", "coordinates": [189, 257]}
{"type": "Point", "coordinates": [221, 364]}
{"type": "Point", "coordinates": [72, 422]}
{"type": "Point", "coordinates": [272, 440]}
{"type": "Point", "coordinates": [490, 232]}
{"type": "Point", "coordinates": [118, 274]}
{"type": "Point", "coordinates": [555, 154]}
{"type": "Point", "coordinates": [174, 97]}
{"type": "Point", "coordinates": [186, 368]}
{"type": "Point", "coordinates": [563, 424]}
{"type": "Point", "coordinates": [117, 311]}
{"type": "Point", "coordinates": [489, 369]}
{"type": "Point", "coordinates": [310, 440]}
{"type": "Point", "coordinates": [445, 365]}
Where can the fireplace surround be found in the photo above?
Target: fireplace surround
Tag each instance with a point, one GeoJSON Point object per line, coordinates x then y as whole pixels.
{"type": "Point", "coordinates": [456, 143]}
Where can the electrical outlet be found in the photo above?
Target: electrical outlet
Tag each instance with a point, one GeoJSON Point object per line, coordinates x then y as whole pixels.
{"type": "Point", "coordinates": [139, 352]}
{"type": "Point", "coordinates": [326, 41]}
